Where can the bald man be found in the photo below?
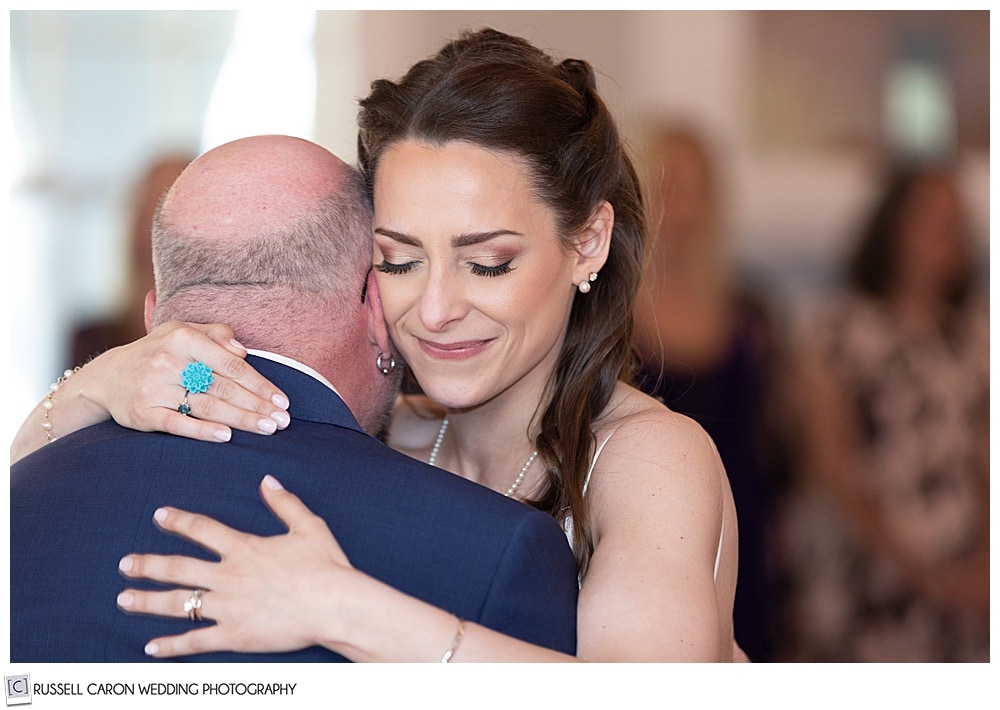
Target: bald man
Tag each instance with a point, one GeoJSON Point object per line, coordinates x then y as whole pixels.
{"type": "Point", "coordinates": [271, 235]}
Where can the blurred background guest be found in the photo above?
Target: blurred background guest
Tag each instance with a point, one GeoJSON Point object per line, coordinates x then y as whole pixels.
{"type": "Point", "coordinates": [710, 349]}
{"type": "Point", "coordinates": [892, 535]}
{"type": "Point", "coordinates": [94, 337]}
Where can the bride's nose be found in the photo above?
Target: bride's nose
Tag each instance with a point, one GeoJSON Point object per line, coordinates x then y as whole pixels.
{"type": "Point", "coordinates": [443, 299]}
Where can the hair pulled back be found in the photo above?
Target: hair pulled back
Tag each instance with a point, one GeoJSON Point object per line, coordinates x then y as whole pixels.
{"type": "Point", "coordinates": [500, 92]}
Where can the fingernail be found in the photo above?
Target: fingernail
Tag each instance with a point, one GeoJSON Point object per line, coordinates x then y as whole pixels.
{"type": "Point", "coordinates": [160, 515]}
{"type": "Point", "coordinates": [281, 418]}
{"type": "Point", "coordinates": [223, 435]}
{"type": "Point", "coordinates": [280, 400]}
{"type": "Point", "coordinates": [272, 483]}
{"type": "Point", "coordinates": [268, 426]}
{"type": "Point", "coordinates": [237, 343]}
{"type": "Point", "coordinates": [125, 600]}
{"type": "Point", "coordinates": [125, 564]}
{"type": "Point", "coordinates": [152, 649]}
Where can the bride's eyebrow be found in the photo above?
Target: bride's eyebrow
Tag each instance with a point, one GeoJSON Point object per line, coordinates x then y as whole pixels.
{"type": "Point", "coordinates": [462, 240]}
{"type": "Point", "coordinates": [398, 237]}
{"type": "Point", "coordinates": [466, 240]}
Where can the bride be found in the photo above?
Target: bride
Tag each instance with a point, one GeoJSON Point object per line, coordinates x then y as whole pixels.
{"type": "Point", "coordinates": [508, 243]}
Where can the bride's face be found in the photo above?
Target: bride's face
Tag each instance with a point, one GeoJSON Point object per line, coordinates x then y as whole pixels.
{"type": "Point", "coordinates": [475, 282]}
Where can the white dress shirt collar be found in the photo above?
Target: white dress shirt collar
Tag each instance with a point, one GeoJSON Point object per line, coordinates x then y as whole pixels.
{"type": "Point", "coordinates": [293, 364]}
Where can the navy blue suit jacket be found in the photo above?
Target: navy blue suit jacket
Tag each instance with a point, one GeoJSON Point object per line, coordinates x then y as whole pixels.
{"type": "Point", "coordinates": [82, 502]}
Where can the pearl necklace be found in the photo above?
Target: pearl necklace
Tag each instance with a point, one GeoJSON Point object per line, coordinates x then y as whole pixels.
{"type": "Point", "coordinates": [517, 481]}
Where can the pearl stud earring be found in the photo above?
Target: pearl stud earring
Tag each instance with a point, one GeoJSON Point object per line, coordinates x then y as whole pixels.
{"type": "Point", "coordinates": [584, 286]}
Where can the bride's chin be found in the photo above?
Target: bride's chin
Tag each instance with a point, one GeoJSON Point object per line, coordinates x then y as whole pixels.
{"type": "Point", "coordinates": [454, 397]}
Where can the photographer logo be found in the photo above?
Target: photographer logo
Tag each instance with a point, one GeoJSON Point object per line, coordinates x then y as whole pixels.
{"type": "Point", "coordinates": [18, 689]}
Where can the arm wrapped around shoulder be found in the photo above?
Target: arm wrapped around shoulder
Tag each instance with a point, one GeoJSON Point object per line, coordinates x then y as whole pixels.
{"type": "Point", "coordinates": [534, 593]}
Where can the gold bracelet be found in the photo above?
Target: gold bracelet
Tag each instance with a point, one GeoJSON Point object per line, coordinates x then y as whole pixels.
{"type": "Point", "coordinates": [49, 402]}
{"type": "Point", "coordinates": [459, 633]}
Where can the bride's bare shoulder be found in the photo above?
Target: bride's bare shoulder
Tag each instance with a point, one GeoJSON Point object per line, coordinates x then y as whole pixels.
{"type": "Point", "coordinates": [642, 422]}
{"type": "Point", "coordinates": [414, 426]}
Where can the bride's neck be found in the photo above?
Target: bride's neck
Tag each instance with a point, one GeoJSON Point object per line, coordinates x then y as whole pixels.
{"type": "Point", "coordinates": [488, 445]}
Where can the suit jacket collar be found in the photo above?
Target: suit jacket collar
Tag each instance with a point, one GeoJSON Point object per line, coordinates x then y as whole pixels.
{"type": "Point", "coordinates": [311, 400]}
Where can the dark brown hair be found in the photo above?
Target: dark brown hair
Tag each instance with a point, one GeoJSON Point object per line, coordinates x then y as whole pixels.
{"type": "Point", "coordinates": [872, 266]}
{"type": "Point", "coordinates": [502, 93]}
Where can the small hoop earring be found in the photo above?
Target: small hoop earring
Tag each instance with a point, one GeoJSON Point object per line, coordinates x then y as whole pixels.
{"type": "Point", "coordinates": [385, 369]}
{"type": "Point", "coordinates": [584, 286]}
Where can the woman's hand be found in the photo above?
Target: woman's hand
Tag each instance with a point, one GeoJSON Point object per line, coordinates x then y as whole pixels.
{"type": "Point", "coordinates": [265, 593]}
{"type": "Point", "coordinates": [141, 387]}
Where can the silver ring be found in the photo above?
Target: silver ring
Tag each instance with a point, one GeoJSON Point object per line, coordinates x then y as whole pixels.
{"type": "Point", "coordinates": [193, 605]}
{"type": "Point", "coordinates": [184, 408]}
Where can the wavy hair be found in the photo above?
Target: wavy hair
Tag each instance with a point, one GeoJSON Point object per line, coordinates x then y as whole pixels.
{"type": "Point", "coordinates": [502, 93]}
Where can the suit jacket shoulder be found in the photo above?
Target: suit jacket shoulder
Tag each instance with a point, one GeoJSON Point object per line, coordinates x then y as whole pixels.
{"type": "Point", "coordinates": [85, 500]}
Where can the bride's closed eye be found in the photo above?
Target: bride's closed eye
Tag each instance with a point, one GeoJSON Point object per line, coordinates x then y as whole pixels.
{"type": "Point", "coordinates": [491, 271]}
{"type": "Point", "coordinates": [387, 267]}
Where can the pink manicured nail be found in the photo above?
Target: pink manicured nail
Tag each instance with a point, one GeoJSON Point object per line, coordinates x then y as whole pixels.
{"type": "Point", "coordinates": [237, 343]}
{"type": "Point", "coordinates": [272, 483]}
{"type": "Point", "coordinates": [223, 435]}
{"type": "Point", "coordinates": [160, 515]}
{"type": "Point", "coordinates": [151, 649]}
{"type": "Point", "coordinates": [268, 426]}
{"type": "Point", "coordinates": [281, 418]}
{"type": "Point", "coordinates": [125, 600]}
{"type": "Point", "coordinates": [125, 564]}
{"type": "Point", "coordinates": [280, 400]}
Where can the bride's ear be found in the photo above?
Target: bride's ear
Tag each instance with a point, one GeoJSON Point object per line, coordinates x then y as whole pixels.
{"type": "Point", "coordinates": [147, 310]}
{"type": "Point", "coordinates": [594, 242]}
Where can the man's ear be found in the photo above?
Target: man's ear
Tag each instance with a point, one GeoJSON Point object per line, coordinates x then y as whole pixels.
{"type": "Point", "coordinates": [594, 242]}
{"type": "Point", "coordinates": [148, 307]}
{"type": "Point", "coordinates": [378, 331]}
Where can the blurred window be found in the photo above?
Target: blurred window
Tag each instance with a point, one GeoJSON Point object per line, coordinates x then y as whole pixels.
{"type": "Point", "coordinates": [267, 83]}
{"type": "Point", "coordinates": [919, 103]}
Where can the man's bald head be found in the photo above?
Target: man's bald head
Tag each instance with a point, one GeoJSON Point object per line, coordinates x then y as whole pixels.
{"type": "Point", "coordinates": [266, 217]}
{"type": "Point", "coordinates": [271, 235]}
{"type": "Point", "coordinates": [252, 187]}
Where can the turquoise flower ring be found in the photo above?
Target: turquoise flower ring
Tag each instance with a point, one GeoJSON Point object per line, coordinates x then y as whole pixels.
{"type": "Point", "coordinates": [196, 377]}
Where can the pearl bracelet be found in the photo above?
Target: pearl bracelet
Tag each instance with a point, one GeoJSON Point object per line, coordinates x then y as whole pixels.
{"type": "Point", "coordinates": [459, 633]}
{"type": "Point", "coordinates": [49, 402]}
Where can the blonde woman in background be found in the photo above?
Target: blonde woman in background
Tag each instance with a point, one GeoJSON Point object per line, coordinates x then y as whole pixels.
{"type": "Point", "coordinates": [711, 350]}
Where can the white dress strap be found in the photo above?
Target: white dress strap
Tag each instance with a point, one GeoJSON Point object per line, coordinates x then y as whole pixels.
{"type": "Point", "coordinates": [568, 522]}
{"type": "Point", "coordinates": [593, 462]}
{"type": "Point", "coordinates": [722, 532]}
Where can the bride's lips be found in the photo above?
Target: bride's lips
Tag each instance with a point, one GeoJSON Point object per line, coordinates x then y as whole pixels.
{"type": "Point", "coordinates": [453, 351]}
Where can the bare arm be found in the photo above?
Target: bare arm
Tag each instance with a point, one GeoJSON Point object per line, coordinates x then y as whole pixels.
{"type": "Point", "coordinates": [649, 595]}
{"type": "Point", "coordinates": [138, 385]}
{"type": "Point", "coordinates": [65, 410]}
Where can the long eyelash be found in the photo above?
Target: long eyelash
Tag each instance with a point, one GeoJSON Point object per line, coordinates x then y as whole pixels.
{"type": "Point", "coordinates": [491, 271]}
{"type": "Point", "coordinates": [387, 267]}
